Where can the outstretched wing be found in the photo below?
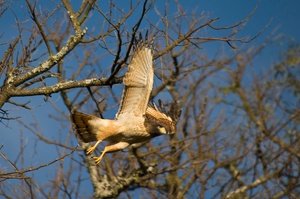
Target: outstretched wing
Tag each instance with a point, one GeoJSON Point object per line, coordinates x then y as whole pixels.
{"type": "Point", "coordinates": [138, 83]}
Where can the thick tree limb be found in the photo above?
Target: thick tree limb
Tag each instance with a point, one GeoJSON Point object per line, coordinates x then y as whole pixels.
{"type": "Point", "coordinates": [47, 90]}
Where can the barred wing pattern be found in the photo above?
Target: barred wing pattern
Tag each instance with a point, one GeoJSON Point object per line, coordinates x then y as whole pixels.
{"type": "Point", "coordinates": [138, 83]}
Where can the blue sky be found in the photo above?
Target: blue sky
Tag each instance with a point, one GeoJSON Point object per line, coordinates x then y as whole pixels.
{"type": "Point", "coordinates": [284, 16]}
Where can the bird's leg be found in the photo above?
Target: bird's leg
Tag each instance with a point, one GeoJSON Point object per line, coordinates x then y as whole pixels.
{"type": "Point", "coordinates": [91, 149]}
{"type": "Point", "coordinates": [98, 159]}
{"type": "Point", "coordinates": [111, 148]}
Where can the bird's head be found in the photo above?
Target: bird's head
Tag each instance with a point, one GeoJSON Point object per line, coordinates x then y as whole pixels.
{"type": "Point", "coordinates": [162, 121]}
{"type": "Point", "coordinates": [165, 126]}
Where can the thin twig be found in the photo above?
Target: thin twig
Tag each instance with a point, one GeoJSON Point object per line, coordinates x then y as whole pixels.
{"type": "Point", "coordinates": [3, 175]}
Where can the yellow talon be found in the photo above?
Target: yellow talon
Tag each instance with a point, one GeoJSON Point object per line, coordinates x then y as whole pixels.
{"type": "Point", "coordinates": [91, 149]}
{"type": "Point", "coordinates": [98, 159]}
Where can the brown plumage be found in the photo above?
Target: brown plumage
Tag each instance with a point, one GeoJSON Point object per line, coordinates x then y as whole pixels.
{"type": "Point", "coordinates": [136, 121]}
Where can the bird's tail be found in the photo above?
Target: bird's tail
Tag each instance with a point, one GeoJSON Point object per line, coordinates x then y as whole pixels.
{"type": "Point", "coordinates": [85, 126]}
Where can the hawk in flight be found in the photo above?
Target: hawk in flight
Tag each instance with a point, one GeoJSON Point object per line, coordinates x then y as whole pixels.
{"type": "Point", "coordinates": [136, 121]}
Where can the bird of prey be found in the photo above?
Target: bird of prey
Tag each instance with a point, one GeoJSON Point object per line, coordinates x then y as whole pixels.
{"type": "Point", "coordinates": [136, 121]}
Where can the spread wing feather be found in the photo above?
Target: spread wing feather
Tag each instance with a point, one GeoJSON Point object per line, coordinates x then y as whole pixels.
{"type": "Point", "coordinates": [138, 83]}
